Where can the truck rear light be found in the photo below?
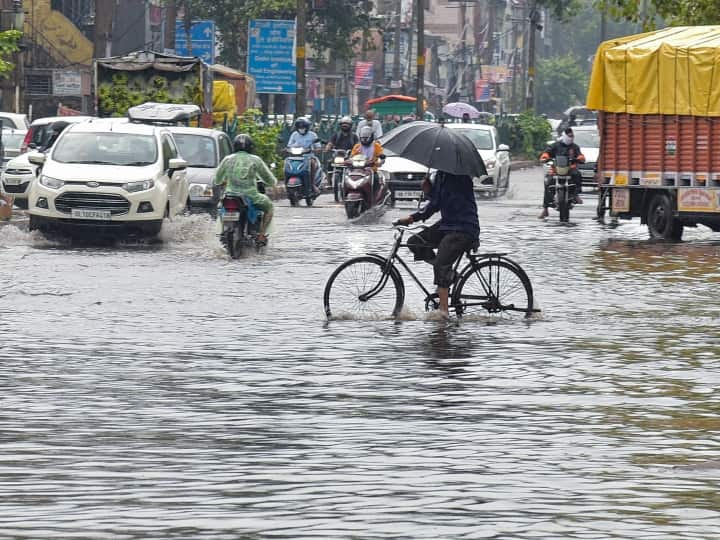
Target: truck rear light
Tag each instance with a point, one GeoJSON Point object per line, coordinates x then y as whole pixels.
{"type": "Point", "coordinates": [26, 141]}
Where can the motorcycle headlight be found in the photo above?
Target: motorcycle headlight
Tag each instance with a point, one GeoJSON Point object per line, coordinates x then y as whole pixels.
{"type": "Point", "coordinates": [52, 183]}
{"type": "Point", "coordinates": [142, 185]}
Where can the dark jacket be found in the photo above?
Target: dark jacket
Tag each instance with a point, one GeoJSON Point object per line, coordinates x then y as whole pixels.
{"type": "Point", "coordinates": [341, 141]}
{"type": "Point", "coordinates": [558, 148]}
{"type": "Point", "coordinates": [454, 197]}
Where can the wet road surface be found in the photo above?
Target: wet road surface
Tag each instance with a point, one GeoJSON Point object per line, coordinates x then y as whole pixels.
{"type": "Point", "coordinates": [165, 391]}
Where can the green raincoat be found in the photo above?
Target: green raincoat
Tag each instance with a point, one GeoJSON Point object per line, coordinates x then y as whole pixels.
{"type": "Point", "coordinates": [239, 173]}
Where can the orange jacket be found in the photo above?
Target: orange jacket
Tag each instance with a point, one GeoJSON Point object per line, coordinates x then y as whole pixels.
{"type": "Point", "coordinates": [377, 150]}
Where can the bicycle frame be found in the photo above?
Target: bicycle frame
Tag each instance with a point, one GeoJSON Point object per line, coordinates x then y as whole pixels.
{"type": "Point", "coordinates": [474, 260]}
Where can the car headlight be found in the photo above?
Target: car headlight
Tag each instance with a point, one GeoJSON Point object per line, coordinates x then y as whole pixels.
{"type": "Point", "coordinates": [142, 185]}
{"type": "Point", "coordinates": [490, 163]}
{"type": "Point", "coordinates": [196, 190]}
{"type": "Point", "coordinates": [52, 183]}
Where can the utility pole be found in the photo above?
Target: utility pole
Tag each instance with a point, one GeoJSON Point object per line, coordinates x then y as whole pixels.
{"type": "Point", "coordinates": [420, 110]}
{"type": "Point", "coordinates": [463, 49]}
{"type": "Point", "coordinates": [395, 83]}
{"type": "Point", "coordinates": [300, 57]}
{"type": "Point", "coordinates": [530, 96]}
{"type": "Point", "coordinates": [603, 25]}
{"type": "Point", "coordinates": [170, 23]}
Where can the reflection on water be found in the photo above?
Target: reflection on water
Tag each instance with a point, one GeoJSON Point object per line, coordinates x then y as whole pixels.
{"type": "Point", "coordinates": [165, 391]}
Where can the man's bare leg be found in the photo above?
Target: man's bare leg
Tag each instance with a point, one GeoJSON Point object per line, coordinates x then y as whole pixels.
{"type": "Point", "coordinates": [443, 293]}
{"type": "Point", "coordinates": [264, 224]}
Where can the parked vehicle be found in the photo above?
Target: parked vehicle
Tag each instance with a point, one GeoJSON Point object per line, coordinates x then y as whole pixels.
{"type": "Point", "coordinates": [363, 189]}
{"type": "Point", "coordinates": [338, 164]}
{"type": "Point", "coordinates": [403, 176]}
{"type": "Point", "coordinates": [14, 121]}
{"type": "Point", "coordinates": [203, 149]}
{"type": "Point", "coordinates": [12, 140]}
{"type": "Point", "coordinates": [561, 186]}
{"type": "Point", "coordinates": [238, 223]}
{"type": "Point", "coordinates": [659, 129]}
{"type": "Point", "coordinates": [108, 177]}
{"type": "Point", "coordinates": [19, 173]}
{"type": "Point", "coordinates": [298, 176]}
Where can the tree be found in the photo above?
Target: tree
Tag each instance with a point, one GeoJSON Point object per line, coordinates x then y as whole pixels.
{"type": "Point", "coordinates": [331, 28]}
{"type": "Point", "coordinates": [561, 83]}
{"type": "Point", "coordinates": [8, 45]}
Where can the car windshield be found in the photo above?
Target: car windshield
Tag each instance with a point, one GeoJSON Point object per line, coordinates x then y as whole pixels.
{"type": "Point", "coordinates": [197, 150]}
{"type": "Point", "coordinates": [106, 149]}
{"type": "Point", "coordinates": [13, 140]}
{"type": "Point", "coordinates": [481, 138]}
{"type": "Point", "coordinates": [586, 138]}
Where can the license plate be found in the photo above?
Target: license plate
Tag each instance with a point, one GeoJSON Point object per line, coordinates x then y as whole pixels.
{"type": "Point", "coordinates": [587, 174]}
{"type": "Point", "coordinates": [407, 194]}
{"type": "Point", "coordinates": [90, 214]}
{"type": "Point", "coordinates": [231, 216]}
{"type": "Point", "coordinates": [12, 181]}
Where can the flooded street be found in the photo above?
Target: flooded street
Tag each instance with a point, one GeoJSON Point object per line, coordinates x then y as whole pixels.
{"type": "Point", "coordinates": [166, 391]}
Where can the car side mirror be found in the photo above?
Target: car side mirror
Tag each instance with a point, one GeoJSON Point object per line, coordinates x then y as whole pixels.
{"type": "Point", "coordinates": [503, 148]}
{"type": "Point", "coordinates": [37, 158]}
{"type": "Point", "coordinates": [177, 164]}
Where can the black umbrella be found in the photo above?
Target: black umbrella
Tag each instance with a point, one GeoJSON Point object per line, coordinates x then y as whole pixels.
{"type": "Point", "coordinates": [437, 147]}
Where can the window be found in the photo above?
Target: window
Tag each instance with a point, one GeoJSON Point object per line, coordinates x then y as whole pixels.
{"type": "Point", "coordinates": [169, 151]}
{"type": "Point", "coordinates": [198, 150]}
{"type": "Point", "coordinates": [225, 147]}
{"type": "Point", "coordinates": [123, 149]}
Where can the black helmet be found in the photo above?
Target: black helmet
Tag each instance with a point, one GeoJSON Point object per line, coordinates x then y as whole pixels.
{"type": "Point", "coordinates": [243, 143]}
{"type": "Point", "coordinates": [301, 123]}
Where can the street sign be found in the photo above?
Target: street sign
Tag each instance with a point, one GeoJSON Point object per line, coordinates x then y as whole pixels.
{"type": "Point", "coordinates": [271, 56]}
{"type": "Point", "coordinates": [202, 40]}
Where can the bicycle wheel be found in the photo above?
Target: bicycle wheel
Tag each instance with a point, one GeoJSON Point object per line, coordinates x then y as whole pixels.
{"type": "Point", "coordinates": [494, 287]}
{"type": "Point", "coordinates": [359, 289]}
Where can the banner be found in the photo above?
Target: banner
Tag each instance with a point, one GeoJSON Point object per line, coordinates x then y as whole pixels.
{"type": "Point", "coordinates": [364, 75]}
{"type": "Point", "coordinates": [482, 90]}
{"type": "Point", "coordinates": [62, 110]}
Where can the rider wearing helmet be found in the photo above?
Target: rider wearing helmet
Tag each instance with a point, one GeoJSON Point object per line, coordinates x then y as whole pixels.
{"type": "Point", "coordinates": [344, 139]}
{"type": "Point", "coordinates": [239, 174]}
{"type": "Point", "coordinates": [304, 137]}
{"type": "Point", "coordinates": [369, 147]}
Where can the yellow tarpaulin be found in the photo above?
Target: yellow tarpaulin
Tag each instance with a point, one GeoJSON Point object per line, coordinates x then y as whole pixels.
{"type": "Point", "coordinates": [223, 101]}
{"type": "Point", "coordinates": [670, 71]}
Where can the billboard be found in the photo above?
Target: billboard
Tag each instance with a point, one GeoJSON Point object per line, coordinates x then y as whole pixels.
{"type": "Point", "coordinates": [271, 55]}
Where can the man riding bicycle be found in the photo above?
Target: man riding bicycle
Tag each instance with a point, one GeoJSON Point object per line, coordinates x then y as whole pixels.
{"type": "Point", "coordinates": [457, 231]}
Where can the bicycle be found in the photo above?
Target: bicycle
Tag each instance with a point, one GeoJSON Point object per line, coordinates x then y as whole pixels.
{"type": "Point", "coordinates": [372, 286]}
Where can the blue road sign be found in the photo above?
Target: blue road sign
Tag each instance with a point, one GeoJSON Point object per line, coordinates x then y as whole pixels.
{"type": "Point", "coordinates": [271, 56]}
{"type": "Point", "coordinates": [202, 38]}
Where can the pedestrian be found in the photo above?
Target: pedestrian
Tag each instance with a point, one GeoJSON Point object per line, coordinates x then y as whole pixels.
{"type": "Point", "coordinates": [466, 118]}
{"type": "Point", "coordinates": [370, 121]}
{"type": "Point", "coordinates": [457, 231]}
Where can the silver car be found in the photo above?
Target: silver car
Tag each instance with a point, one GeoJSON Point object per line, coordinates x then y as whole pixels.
{"type": "Point", "coordinates": [203, 149]}
{"type": "Point", "coordinates": [12, 140]}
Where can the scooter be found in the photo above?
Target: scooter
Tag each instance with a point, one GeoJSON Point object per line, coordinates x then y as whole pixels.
{"type": "Point", "coordinates": [363, 188]}
{"type": "Point", "coordinates": [298, 176]}
{"type": "Point", "coordinates": [238, 223]}
{"type": "Point", "coordinates": [561, 185]}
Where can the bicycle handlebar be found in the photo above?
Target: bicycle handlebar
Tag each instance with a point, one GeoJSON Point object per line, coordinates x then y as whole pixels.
{"type": "Point", "coordinates": [397, 225]}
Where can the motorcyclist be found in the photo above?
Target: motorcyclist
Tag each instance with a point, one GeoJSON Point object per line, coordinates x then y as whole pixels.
{"type": "Point", "coordinates": [565, 146]}
{"type": "Point", "coordinates": [344, 139]}
{"type": "Point", "coordinates": [371, 149]}
{"type": "Point", "coordinates": [239, 173]}
{"type": "Point", "coordinates": [304, 137]}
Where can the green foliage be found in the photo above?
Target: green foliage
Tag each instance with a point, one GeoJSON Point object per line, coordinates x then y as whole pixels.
{"type": "Point", "coordinates": [265, 137]}
{"type": "Point", "coordinates": [117, 97]}
{"type": "Point", "coordinates": [331, 29]}
{"type": "Point", "coordinates": [561, 83]}
{"type": "Point", "coordinates": [526, 134]}
{"type": "Point", "coordinates": [8, 45]}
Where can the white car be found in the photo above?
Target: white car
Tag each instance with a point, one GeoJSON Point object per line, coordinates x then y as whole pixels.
{"type": "Point", "coordinates": [106, 177]}
{"type": "Point", "coordinates": [403, 177]}
{"type": "Point", "coordinates": [495, 155]}
{"type": "Point", "coordinates": [587, 138]}
{"type": "Point", "coordinates": [14, 120]}
{"type": "Point", "coordinates": [19, 172]}
{"type": "Point", "coordinates": [203, 149]}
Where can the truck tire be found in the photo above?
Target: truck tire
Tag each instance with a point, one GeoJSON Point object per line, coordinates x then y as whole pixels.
{"type": "Point", "coordinates": [661, 221]}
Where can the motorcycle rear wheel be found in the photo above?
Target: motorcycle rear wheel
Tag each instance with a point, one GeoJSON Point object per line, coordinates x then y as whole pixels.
{"type": "Point", "coordinates": [235, 243]}
{"type": "Point", "coordinates": [353, 209]}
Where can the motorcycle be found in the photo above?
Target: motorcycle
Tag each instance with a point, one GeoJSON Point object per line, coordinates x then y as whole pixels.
{"type": "Point", "coordinates": [298, 176]}
{"type": "Point", "coordinates": [561, 185]}
{"type": "Point", "coordinates": [338, 164]}
{"type": "Point", "coordinates": [238, 223]}
{"type": "Point", "coordinates": [363, 189]}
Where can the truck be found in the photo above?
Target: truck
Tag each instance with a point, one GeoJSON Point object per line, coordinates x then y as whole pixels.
{"type": "Point", "coordinates": [125, 81]}
{"type": "Point", "coordinates": [658, 100]}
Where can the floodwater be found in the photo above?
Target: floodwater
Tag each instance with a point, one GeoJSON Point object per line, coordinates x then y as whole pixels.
{"type": "Point", "coordinates": [165, 391]}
